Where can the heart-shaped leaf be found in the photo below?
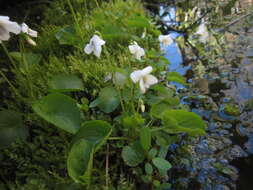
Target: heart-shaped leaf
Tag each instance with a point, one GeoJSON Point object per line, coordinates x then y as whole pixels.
{"type": "Point", "coordinates": [79, 161]}
{"type": "Point", "coordinates": [161, 164]}
{"type": "Point", "coordinates": [60, 110]}
{"type": "Point", "coordinates": [108, 100]}
{"type": "Point", "coordinates": [95, 132]}
{"type": "Point", "coordinates": [134, 154]}
{"type": "Point", "coordinates": [177, 121]}
{"type": "Point", "coordinates": [66, 83]}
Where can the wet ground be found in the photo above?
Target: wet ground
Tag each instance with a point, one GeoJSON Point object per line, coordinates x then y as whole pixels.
{"type": "Point", "coordinates": [223, 159]}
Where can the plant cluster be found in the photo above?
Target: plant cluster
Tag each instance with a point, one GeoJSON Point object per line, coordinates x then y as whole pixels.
{"type": "Point", "coordinates": [90, 76]}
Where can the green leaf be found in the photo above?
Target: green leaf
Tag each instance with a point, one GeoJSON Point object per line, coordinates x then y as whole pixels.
{"type": "Point", "coordinates": [133, 155]}
{"type": "Point", "coordinates": [95, 132]}
{"type": "Point", "coordinates": [166, 104]}
{"type": "Point", "coordinates": [67, 36]}
{"type": "Point", "coordinates": [11, 128]}
{"type": "Point", "coordinates": [161, 164]}
{"type": "Point", "coordinates": [79, 162]}
{"type": "Point", "coordinates": [152, 153]}
{"type": "Point", "coordinates": [176, 121]}
{"type": "Point", "coordinates": [114, 32]}
{"type": "Point", "coordinates": [66, 83]}
{"type": "Point", "coordinates": [176, 77]}
{"type": "Point", "coordinates": [148, 169]}
{"type": "Point", "coordinates": [145, 138]}
{"type": "Point", "coordinates": [60, 110]}
{"type": "Point", "coordinates": [29, 58]}
{"type": "Point", "coordinates": [138, 22]}
{"type": "Point", "coordinates": [108, 99]}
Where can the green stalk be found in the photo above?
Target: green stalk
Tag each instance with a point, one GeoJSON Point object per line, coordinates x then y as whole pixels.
{"type": "Point", "coordinates": [75, 18]}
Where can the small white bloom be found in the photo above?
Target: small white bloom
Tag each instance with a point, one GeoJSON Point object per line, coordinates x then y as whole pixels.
{"type": "Point", "coordinates": [136, 50]}
{"type": "Point", "coordinates": [25, 29]}
{"type": "Point", "coordinates": [7, 26]}
{"type": "Point", "coordinates": [144, 78]}
{"type": "Point", "coordinates": [94, 46]}
{"type": "Point", "coordinates": [165, 40]}
{"type": "Point", "coordinates": [203, 32]}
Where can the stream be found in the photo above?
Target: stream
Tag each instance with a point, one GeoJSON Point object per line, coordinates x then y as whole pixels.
{"type": "Point", "coordinates": [223, 158]}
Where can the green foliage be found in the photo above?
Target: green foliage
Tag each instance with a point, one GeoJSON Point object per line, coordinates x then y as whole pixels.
{"type": "Point", "coordinates": [95, 132]}
{"type": "Point", "coordinates": [134, 154]}
{"type": "Point", "coordinates": [176, 77]}
{"type": "Point", "coordinates": [59, 110]}
{"type": "Point", "coordinates": [65, 83]}
{"type": "Point", "coordinates": [80, 161]}
{"type": "Point", "coordinates": [103, 106]}
{"type": "Point", "coordinates": [176, 121]}
{"type": "Point", "coordinates": [107, 100]}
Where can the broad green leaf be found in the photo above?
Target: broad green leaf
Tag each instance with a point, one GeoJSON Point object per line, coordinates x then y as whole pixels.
{"type": "Point", "coordinates": [79, 162]}
{"type": "Point", "coordinates": [114, 32]}
{"type": "Point", "coordinates": [11, 128]}
{"type": "Point", "coordinates": [60, 110]}
{"type": "Point", "coordinates": [67, 36]}
{"type": "Point", "coordinates": [166, 104]}
{"type": "Point", "coordinates": [29, 58]}
{"type": "Point", "coordinates": [145, 138]}
{"type": "Point", "coordinates": [95, 132]}
{"type": "Point", "coordinates": [65, 83]}
{"type": "Point", "coordinates": [148, 169]}
{"type": "Point", "coordinates": [176, 121]}
{"type": "Point", "coordinates": [161, 164]}
{"type": "Point", "coordinates": [134, 121]}
{"type": "Point", "coordinates": [176, 77]}
{"type": "Point", "coordinates": [134, 154]}
{"type": "Point", "coordinates": [152, 153]}
{"type": "Point", "coordinates": [108, 99]}
{"type": "Point", "coordinates": [138, 22]}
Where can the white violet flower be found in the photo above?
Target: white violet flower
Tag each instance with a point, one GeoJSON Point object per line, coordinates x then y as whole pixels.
{"type": "Point", "coordinates": [95, 46]}
{"type": "Point", "coordinates": [165, 40]}
{"type": "Point", "coordinates": [144, 78]}
{"type": "Point", "coordinates": [25, 29]}
{"type": "Point", "coordinates": [136, 50]}
{"type": "Point", "coordinates": [203, 32]}
{"type": "Point", "coordinates": [7, 26]}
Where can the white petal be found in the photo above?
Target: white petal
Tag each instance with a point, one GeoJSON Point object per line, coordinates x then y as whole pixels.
{"type": "Point", "coordinates": [146, 70]}
{"type": "Point", "coordinates": [4, 18]}
{"type": "Point", "coordinates": [88, 48]}
{"type": "Point", "coordinates": [97, 51]}
{"type": "Point", "coordinates": [97, 40]}
{"type": "Point", "coordinates": [150, 80]}
{"type": "Point", "coordinates": [4, 35]}
{"type": "Point", "coordinates": [11, 26]}
{"type": "Point", "coordinates": [32, 33]}
{"type": "Point", "coordinates": [133, 49]}
{"type": "Point", "coordinates": [24, 28]}
{"type": "Point", "coordinates": [142, 86]}
{"type": "Point", "coordinates": [136, 76]}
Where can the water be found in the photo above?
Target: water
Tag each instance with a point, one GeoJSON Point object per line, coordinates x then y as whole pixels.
{"type": "Point", "coordinates": [222, 159]}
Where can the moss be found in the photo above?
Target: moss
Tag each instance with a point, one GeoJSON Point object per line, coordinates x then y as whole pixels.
{"type": "Point", "coordinates": [232, 110]}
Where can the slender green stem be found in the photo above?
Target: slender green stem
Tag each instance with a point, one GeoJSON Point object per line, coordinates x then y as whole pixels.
{"type": "Point", "coordinates": [75, 18]}
{"type": "Point", "coordinates": [9, 82]}
{"type": "Point", "coordinates": [8, 55]}
{"type": "Point", "coordinates": [117, 138]}
{"type": "Point", "coordinates": [156, 129]}
{"type": "Point", "coordinates": [97, 3]}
